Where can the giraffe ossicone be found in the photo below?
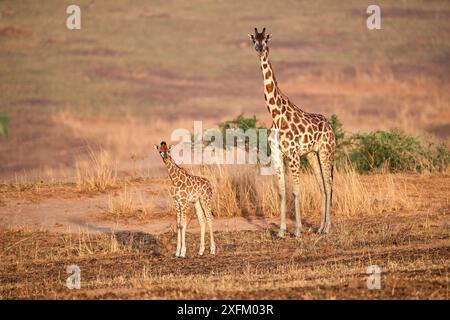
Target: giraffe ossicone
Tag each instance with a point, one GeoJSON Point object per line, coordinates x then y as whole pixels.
{"type": "Point", "coordinates": [299, 133]}
{"type": "Point", "coordinates": [188, 190]}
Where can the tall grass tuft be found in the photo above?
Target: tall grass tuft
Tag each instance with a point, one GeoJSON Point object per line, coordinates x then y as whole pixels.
{"type": "Point", "coordinates": [242, 191]}
{"type": "Point", "coordinates": [98, 174]}
{"type": "Point", "coordinates": [131, 205]}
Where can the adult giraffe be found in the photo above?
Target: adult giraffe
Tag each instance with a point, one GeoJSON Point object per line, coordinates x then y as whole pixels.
{"type": "Point", "coordinates": [295, 133]}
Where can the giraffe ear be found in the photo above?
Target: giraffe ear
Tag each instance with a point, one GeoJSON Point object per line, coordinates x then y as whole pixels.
{"type": "Point", "coordinates": [171, 147]}
{"type": "Point", "coordinates": [268, 37]}
{"type": "Point", "coordinates": [156, 147]}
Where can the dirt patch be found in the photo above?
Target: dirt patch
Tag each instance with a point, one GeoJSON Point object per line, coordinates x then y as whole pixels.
{"type": "Point", "coordinates": [152, 14]}
{"type": "Point", "coordinates": [36, 102]}
{"type": "Point", "coordinates": [96, 52]}
{"type": "Point", "coordinates": [441, 131]}
{"type": "Point", "coordinates": [60, 207]}
{"type": "Point", "coordinates": [248, 264]}
{"type": "Point", "coordinates": [123, 260]}
{"type": "Point", "coordinates": [13, 32]}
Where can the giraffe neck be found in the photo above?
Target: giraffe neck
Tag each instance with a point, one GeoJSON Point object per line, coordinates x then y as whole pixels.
{"type": "Point", "coordinates": [271, 90]}
{"type": "Point", "coordinates": [275, 99]}
{"type": "Point", "coordinates": [175, 172]}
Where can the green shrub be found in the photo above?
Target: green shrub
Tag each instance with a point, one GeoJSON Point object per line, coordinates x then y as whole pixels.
{"type": "Point", "coordinates": [243, 123]}
{"type": "Point", "coordinates": [396, 151]}
{"type": "Point", "coordinates": [375, 151]}
{"type": "Point", "coordinates": [4, 122]}
{"type": "Point", "coordinates": [342, 142]}
{"type": "Point", "coordinates": [240, 122]}
{"type": "Point", "coordinates": [393, 151]}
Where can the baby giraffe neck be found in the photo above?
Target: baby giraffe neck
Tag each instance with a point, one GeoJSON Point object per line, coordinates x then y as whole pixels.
{"type": "Point", "coordinates": [173, 169]}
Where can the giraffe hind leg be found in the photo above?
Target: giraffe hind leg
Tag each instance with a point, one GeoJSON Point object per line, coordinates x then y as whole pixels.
{"type": "Point", "coordinates": [201, 221]}
{"type": "Point", "coordinates": [326, 165]}
{"type": "Point", "coordinates": [313, 160]}
{"type": "Point", "coordinates": [206, 205]}
{"type": "Point", "coordinates": [181, 229]}
{"type": "Point", "coordinates": [178, 209]}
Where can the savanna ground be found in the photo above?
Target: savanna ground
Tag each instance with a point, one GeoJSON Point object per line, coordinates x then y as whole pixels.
{"type": "Point", "coordinates": [82, 185]}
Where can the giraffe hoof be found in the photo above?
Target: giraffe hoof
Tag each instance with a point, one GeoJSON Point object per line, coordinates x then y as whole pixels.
{"type": "Point", "coordinates": [281, 234]}
{"type": "Point", "coordinates": [297, 233]}
{"type": "Point", "coordinates": [200, 253]}
{"type": "Point", "coordinates": [323, 230]}
{"type": "Point", "coordinates": [213, 251]}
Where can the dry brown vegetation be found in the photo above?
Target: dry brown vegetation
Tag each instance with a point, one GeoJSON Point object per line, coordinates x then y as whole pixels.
{"type": "Point", "coordinates": [412, 251]}
{"type": "Point", "coordinates": [408, 237]}
{"type": "Point", "coordinates": [97, 174]}
{"type": "Point", "coordinates": [128, 206]}
{"type": "Point", "coordinates": [241, 190]}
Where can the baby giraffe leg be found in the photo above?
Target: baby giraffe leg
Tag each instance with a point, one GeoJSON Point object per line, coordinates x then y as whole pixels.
{"type": "Point", "coordinates": [178, 252]}
{"type": "Point", "coordinates": [201, 221]}
{"type": "Point", "coordinates": [211, 234]}
{"type": "Point", "coordinates": [183, 234]}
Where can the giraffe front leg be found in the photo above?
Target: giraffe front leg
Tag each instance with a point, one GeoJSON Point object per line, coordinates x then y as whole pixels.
{"type": "Point", "coordinates": [182, 231]}
{"type": "Point", "coordinates": [329, 192]}
{"type": "Point", "coordinates": [178, 208]}
{"type": "Point", "coordinates": [294, 166]}
{"type": "Point", "coordinates": [326, 166]}
{"type": "Point", "coordinates": [279, 169]}
{"type": "Point", "coordinates": [298, 220]}
{"type": "Point", "coordinates": [201, 221]}
{"type": "Point", "coordinates": [206, 205]}
{"type": "Point", "coordinates": [211, 236]}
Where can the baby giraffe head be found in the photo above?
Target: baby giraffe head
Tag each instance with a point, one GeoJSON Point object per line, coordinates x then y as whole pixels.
{"type": "Point", "coordinates": [260, 41]}
{"type": "Point", "coordinates": [164, 150]}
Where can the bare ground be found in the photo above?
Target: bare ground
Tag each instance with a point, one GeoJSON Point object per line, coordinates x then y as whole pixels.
{"type": "Point", "coordinates": [44, 231]}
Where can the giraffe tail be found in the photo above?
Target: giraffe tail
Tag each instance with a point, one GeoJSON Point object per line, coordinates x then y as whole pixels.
{"type": "Point", "coordinates": [331, 193]}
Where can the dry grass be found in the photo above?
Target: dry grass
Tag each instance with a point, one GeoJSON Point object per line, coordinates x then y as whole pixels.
{"type": "Point", "coordinates": [411, 250]}
{"type": "Point", "coordinates": [121, 206]}
{"type": "Point", "coordinates": [243, 191]}
{"type": "Point", "coordinates": [128, 205]}
{"type": "Point", "coordinates": [97, 174]}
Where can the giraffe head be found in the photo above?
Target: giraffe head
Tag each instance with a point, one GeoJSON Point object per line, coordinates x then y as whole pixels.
{"type": "Point", "coordinates": [260, 41]}
{"type": "Point", "coordinates": [163, 149]}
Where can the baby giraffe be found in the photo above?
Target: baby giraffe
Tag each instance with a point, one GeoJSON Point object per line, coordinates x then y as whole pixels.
{"type": "Point", "coordinates": [188, 189]}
